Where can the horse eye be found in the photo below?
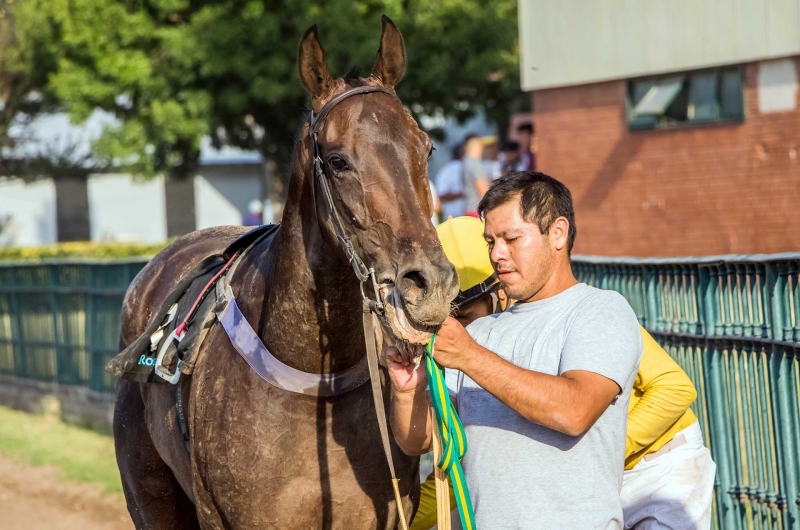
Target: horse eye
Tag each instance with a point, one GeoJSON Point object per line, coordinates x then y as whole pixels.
{"type": "Point", "coordinates": [338, 163]}
{"type": "Point", "coordinates": [430, 153]}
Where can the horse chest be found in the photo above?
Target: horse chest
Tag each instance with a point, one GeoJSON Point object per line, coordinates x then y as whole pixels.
{"type": "Point", "coordinates": [267, 458]}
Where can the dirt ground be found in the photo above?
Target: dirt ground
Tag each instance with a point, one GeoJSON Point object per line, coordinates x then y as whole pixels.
{"type": "Point", "coordinates": [34, 498]}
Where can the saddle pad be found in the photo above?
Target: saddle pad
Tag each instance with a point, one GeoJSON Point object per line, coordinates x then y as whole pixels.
{"type": "Point", "coordinates": [137, 361]}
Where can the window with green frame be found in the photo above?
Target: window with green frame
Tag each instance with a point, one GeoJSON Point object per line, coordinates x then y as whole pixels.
{"type": "Point", "coordinates": [686, 99]}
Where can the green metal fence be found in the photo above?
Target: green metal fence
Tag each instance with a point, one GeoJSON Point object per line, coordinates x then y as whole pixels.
{"type": "Point", "coordinates": [733, 324]}
{"type": "Point", "coordinates": [59, 321]}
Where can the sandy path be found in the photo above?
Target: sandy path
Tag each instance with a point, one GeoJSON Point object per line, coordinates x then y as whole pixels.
{"type": "Point", "coordinates": [33, 498]}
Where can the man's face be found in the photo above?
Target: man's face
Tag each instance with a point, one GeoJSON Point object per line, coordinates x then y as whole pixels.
{"type": "Point", "coordinates": [523, 258]}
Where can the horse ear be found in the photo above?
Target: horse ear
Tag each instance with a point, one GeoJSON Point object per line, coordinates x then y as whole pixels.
{"type": "Point", "coordinates": [390, 64]}
{"type": "Point", "coordinates": [314, 72]}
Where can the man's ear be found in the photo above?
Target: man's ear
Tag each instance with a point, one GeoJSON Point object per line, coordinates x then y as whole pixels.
{"type": "Point", "coordinates": [559, 233]}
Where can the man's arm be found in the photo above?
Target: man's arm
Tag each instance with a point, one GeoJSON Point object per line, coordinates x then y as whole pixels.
{"type": "Point", "coordinates": [599, 357]}
{"type": "Point", "coordinates": [480, 179]}
{"type": "Point", "coordinates": [447, 197]}
{"type": "Point", "coordinates": [481, 186]}
{"type": "Point", "coordinates": [569, 403]}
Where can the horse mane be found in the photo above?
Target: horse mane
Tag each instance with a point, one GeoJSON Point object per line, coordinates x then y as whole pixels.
{"type": "Point", "coordinates": [353, 77]}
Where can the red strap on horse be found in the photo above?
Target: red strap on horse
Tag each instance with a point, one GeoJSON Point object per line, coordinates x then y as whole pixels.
{"type": "Point", "coordinates": [184, 325]}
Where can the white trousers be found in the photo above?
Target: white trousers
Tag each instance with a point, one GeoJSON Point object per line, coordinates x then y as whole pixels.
{"type": "Point", "coordinates": [672, 491]}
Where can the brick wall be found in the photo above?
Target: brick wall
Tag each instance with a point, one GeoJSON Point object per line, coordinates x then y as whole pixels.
{"type": "Point", "coordinates": [708, 190]}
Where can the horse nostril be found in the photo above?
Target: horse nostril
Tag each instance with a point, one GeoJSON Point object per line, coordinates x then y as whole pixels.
{"type": "Point", "coordinates": [414, 280]}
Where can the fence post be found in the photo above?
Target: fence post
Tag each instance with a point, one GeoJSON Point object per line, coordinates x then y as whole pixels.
{"type": "Point", "coordinates": [721, 435]}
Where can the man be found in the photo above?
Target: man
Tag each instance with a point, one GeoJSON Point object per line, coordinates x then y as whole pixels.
{"type": "Point", "coordinates": [543, 387]}
{"type": "Point", "coordinates": [491, 157]}
{"type": "Point", "coordinates": [527, 160]}
{"type": "Point", "coordinates": [664, 445]}
{"type": "Point", "coordinates": [254, 215]}
{"type": "Point", "coordinates": [449, 183]}
{"type": "Point", "coordinates": [476, 179]}
{"type": "Point", "coordinates": [509, 157]}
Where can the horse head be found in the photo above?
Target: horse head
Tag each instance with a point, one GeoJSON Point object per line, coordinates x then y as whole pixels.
{"type": "Point", "coordinates": [374, 159]}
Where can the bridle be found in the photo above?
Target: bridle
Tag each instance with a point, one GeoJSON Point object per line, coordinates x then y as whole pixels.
{"type": "Point", "coordinates": [361, 271]}
{"type": "Point", "coordinates": [371, 309]}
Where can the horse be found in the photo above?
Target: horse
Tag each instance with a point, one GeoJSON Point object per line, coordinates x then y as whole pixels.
{"type": "Point", "coordinates": [261, 456]}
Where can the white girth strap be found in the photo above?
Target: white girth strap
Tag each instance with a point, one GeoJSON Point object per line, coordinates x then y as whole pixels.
{"type": "Point", "coordinates": [247, 342]}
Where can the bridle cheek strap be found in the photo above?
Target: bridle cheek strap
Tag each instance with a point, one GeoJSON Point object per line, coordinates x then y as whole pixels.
{"type": "Point", "coordinates": [315, 123]}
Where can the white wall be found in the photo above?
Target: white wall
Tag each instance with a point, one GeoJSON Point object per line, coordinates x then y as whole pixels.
{"type": "Point", "coordinates": [222, 194]}
{"type": "Point", "coordinates": [572, 42]}
{"type": "Point", "coordinates": [777, 86]}
{"type": "Point", "coordinates": [32, 208]}
{"type": "Point", "coordinates": [122, 208]}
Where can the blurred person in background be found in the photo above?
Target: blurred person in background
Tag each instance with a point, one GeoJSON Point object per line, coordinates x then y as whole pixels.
{"type": "Point", "coordinates": [476, 179]}
{"type": "Point", "coordinates": [509, 157]}
{"type": "Point", "coordinates": [254, 215]}
{"type": "Point", "coordinates": [527, 160]}
{"type": "Point", "coordinates": [491, 157]}
{"type": "Point", "coordinates": [449, 183]}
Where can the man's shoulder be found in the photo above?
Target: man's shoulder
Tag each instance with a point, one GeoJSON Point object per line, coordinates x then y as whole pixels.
{"type": "Point", "coordinates": [596, 296]}
{"type": "Point", "coordinates": [605, 305]}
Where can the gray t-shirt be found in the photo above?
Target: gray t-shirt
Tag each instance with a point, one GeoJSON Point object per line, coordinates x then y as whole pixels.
{"type": "Point", "coordinates": [525, 475]}
{"type": "Point", "coordinates": [473, 170]}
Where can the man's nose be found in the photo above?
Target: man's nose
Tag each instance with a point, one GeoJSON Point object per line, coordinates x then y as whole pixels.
{"type": "Point", "coordinates": [499, 252]}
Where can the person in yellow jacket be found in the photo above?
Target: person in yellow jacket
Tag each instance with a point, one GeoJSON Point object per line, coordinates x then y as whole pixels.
{"type": "Point", "coordinates": [669, 474]}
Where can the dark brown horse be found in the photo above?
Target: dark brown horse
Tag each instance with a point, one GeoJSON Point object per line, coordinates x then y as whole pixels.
{"type": "Point", "coordinates": [262, 457]}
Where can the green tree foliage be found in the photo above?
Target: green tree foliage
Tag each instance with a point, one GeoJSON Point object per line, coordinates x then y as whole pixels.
{"type": "Point", "coordinates": [26, 60]}
{"type": "Point", "coordinates": [175, 70]}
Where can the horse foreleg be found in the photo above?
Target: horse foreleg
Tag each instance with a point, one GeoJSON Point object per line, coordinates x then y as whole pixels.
{"type": "Point", "coordinates": [155, 498]}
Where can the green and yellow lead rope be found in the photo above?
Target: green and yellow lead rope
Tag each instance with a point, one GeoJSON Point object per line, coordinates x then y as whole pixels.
{"type": "Point", "coordinates": [454, 441]}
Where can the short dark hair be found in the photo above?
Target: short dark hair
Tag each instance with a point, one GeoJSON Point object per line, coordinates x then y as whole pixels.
{"type": "Point", "coordinates": [542, 200]}
{"type": "Point", "coordinates": [527, 126]}
{"type": "Point", "coordinates": [509, 145]}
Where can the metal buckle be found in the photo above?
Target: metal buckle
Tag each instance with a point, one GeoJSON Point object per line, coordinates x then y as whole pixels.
{"type": "Point", "coordinates": [177, 335]}
{"type": "Point", "coordinates": [156, 337]}
{"type": "Point", "coordinates": [376, 306]}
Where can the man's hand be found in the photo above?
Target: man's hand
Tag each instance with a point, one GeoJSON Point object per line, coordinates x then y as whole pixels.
{"type": "Point", "coordinates": [453, 344]}
{"type": "Point", "coordinates": [404, 375]}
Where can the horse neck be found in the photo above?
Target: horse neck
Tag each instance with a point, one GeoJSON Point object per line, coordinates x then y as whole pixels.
{"type": "Point", "coordinates": [312, 314]}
